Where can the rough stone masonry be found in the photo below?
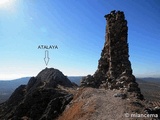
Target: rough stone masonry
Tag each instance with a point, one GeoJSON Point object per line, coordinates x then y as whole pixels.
{"type": "Point", "coordinates": [114, 68]}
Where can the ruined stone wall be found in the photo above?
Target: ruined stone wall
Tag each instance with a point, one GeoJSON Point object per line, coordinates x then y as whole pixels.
{"type": "Point", "coordinates": [114, 68]}
{"type": "Point", "coordinates": [116, 45]}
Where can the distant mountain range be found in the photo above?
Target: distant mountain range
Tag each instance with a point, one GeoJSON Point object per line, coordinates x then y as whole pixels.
{"type": "Point", "coordinates": [12, 84]}
{"type": "Point", "coordinates": [75, 79]}
{"type": "Point", "coordinates": [7, 87]}
{"type": "Point", "coordinates": [150, 79]}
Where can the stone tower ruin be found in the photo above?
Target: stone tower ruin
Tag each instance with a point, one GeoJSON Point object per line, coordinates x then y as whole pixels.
{"type": "Point", "coordinates": [114, 68]}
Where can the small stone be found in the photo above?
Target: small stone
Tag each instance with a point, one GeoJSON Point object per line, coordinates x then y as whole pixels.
{"type": "Point", "coordinates": [122, 95]}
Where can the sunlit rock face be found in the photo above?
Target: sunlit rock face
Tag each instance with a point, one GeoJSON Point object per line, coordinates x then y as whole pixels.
{"type": "Point", "coordinates": [114, 68]}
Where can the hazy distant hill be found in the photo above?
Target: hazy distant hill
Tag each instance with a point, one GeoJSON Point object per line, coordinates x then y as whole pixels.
{"type": "Point", "coordinates": [12, 84]}
{"type": "Point", "coordinates": [75, 79]}
{"type": "Point", "coordinates": [150, 88]}
{"type": "Point", "coordinates": [7, 87]}
{"type": "Point", "coordinates": [150, 79]}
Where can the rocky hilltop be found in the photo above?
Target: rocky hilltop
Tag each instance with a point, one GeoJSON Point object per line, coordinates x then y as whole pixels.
{"type": "Point", "coordinates": [114, 68]}
{"type": "Point", "coordinates": [41, 99]}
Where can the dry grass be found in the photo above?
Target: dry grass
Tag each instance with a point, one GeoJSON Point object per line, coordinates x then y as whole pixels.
{"type": "Point", "coordinates": [73, 113]}
{"type": "Point", "coordinates": [78, 110]}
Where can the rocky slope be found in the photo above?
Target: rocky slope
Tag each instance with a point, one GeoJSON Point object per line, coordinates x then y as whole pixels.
{"type": "Point", "coordinates": [100, 104]}
{"type": "Point", "coordinates": [42, 98]}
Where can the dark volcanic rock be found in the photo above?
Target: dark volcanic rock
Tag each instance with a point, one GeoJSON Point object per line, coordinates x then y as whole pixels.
{"type": "Point", "coordinates": [114, 68]}
{"type": "Point", "coordinates": [39, 99]}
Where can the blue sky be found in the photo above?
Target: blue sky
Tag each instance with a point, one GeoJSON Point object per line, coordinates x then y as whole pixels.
{"type": "Point", "coordinates": [77, 27]}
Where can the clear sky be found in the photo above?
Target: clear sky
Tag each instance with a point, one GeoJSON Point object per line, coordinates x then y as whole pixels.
{"type": "Point", "coordinates": [77, 27]}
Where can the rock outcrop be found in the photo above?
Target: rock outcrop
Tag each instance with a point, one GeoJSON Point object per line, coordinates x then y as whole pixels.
{"type": "Point", "coordinates": [40, 99]}
{"type": "Point", "coordinates": [114, 68]}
